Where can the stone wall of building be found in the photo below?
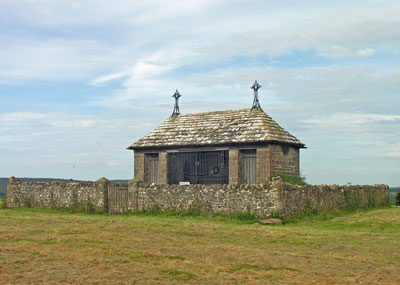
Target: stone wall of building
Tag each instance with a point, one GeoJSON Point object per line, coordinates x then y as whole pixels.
{"type": "Point", "coordinates": [284, 160]}
{"type": "Point", "coordinates": [263, 164]}
{"type": "Point", "coordinates": [56, 194]}
{"type": "Point", "coordinates": [163, 168]}
{"type": "Point", "coordinates": [234, 166]}
{"type": "Point", "coordinates": [139, 165]}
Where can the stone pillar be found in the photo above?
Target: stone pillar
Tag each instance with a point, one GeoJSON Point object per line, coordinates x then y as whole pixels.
{"type": "Point", "coordinates": [11, 183]}
{"type": "Point", "coordinates": [163, 168]}
{"type": "Point", "coordinates": [234, 166]}
{"type": "Point", "coordinates": [133, 195]}
{"type": "Point", "coordinates": [102, 185]}
{"type": "Point", "coordinates": [263, 164]}
{"type": "Point", "coordinates": [139, 166]}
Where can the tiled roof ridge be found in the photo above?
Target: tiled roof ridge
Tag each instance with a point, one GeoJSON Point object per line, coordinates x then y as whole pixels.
{"type": "Point", "coordinates": [212, 112]}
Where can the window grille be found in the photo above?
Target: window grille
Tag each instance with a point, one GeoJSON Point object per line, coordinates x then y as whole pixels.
{"type": "Point", "coordinates": [205, 167]}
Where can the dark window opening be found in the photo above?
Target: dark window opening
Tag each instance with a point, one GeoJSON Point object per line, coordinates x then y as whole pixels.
{"type": "Point", "coordinates": [285, 149]}
{"type": "Point", "coordinates": [205, 167]}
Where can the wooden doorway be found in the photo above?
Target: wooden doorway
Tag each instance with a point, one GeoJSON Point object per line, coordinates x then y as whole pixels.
{"type": "Point", "coordinates": [249, 170]}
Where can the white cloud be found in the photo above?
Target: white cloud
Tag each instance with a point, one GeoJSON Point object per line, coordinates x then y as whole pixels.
{"type": "Point", "coordinates": [393, 154]}
{"type": "Point", "coordinates": [365, 52]}
{"type": "Point", "coordinates": [65, 42]}
{"type": "Point", "coordinates": [52, 143]}
{"type": "Point", "coordinates": [50, 59]}
{"type": "Point", "coordinates": [344, 120]}
{"type": "Point", "coordinates": [154, 47]}
{"type": "Point", "coordinates": [109, 77]}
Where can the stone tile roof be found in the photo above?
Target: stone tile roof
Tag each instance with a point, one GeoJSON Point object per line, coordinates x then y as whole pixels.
{"type": "Point", "coordinates": [216, 128]}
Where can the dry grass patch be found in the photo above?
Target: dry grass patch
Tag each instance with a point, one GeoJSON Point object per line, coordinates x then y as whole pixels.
{"type": "Point", "coordinates": [44, 246]}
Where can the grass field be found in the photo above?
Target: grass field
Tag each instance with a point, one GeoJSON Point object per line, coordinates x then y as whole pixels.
{"type": "Point", "coordinates": [49, 246]}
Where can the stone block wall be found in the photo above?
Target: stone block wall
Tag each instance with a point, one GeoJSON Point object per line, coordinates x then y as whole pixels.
{"type": "Point", "coordinates": [234, 166]}
{"type": "Point", "coordinates": [284, 163]}
{"type": "Point", "coordinates": [55, 194]}
{"type": "Point", "coordinates": [272, 160]}
{"type": "Point", "coordinates": [261, 199]}
{"type": "Point", "coordinates": [139, 167]}
{"type": "Point", "coordinates": [163, 168]}
{"type": "Point", "coordinates": [296, 199]}
{"type": "Point", "coordinates": [263, 164]}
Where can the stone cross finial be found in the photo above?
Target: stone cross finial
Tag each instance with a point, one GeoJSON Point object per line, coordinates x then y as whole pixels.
{"type": "Point", "coordinates": [255, 87]}
{"type": "Point", "coordinates": [176, 107]}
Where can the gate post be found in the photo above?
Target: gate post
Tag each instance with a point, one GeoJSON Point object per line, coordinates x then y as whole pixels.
{"type": "Point", "coordinates": [102, 185]}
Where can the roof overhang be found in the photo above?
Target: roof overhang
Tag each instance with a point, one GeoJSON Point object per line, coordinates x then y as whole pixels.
{"type": "Point", "coordinates": [234, 144]}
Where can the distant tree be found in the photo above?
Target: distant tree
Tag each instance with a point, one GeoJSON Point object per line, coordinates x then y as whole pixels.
{"type": "Point", "coordinates": [398, 199]}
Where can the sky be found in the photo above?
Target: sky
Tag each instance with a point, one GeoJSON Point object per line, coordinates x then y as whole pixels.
{"type": "Point", "coordinates": [82, 80]}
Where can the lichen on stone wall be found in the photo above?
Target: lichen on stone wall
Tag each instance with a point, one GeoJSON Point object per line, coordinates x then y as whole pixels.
{"type": "Point", "coordinates": [263, 200]}
{"type": "Point", "coordinates": [53, 194]}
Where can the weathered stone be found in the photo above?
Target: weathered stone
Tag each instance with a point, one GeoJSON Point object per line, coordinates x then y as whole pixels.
{"type": "Point", "coordinates": [261, 199]}
{"type": "Point", "coordinates": [55, 194]}
{"type": "Point", "coordinates": [102, 180]}
{"type": "Point", "coordinates": [270, 221]}
{"type": "Point", "coordinates": [220, 127]}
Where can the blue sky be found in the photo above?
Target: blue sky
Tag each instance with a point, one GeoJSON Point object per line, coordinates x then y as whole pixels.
{"type": "Point", "coordinates": [81, 80]}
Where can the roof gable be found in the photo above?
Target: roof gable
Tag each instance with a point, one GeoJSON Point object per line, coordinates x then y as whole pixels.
{"type": "Point", "coordinates": [216, 128]}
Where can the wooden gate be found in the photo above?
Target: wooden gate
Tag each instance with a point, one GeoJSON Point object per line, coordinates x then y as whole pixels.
{"type": "Point", "coordinates": [249, 167]}
{"type": "Point", "coordinates": [117, 199]}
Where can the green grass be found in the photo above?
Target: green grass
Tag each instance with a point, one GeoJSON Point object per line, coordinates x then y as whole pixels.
{"type": "Point", "coordinates": [49, 246]}
{"type": "Point", "coordinates": [181, 274]}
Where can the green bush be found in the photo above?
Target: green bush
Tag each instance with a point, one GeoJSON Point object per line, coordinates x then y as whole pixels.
{"type": "Point", "coordinates": [372, 202]}
{"type": "Point", "coordinates": [89, 207]}
{"type": "Point", "coordinates": [27, 202]}
{"type": "Point", "coordinates": [3, 203]}
{"type": "Point", "coordinates": [352, 201]}
{"type": "Point", "coordinates": [294, 180]}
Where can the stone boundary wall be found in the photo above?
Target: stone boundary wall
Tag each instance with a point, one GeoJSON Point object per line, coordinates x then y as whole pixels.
{"type": "Point", "coordinates": [55, 194]}
{"type": "Point", "coordinates": [296, 199]}
{"type": "Point", "coordinates": [260, 200]}
{"type": "Point", "coordinates": [263, 200]}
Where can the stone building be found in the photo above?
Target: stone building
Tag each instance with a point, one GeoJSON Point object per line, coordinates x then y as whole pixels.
{"type": "Point", "coordinates": [223, 147]}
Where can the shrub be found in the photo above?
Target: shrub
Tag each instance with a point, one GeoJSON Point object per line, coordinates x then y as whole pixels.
{"type": "Point", "coordinates": [89, 207]}
{"type": "Point", "coordinates": [352, 201]}
{"type": "Point", "coordinates": [27, 202]}
{"type": "Point", "coordinates": [74, 201]}
{"type": "Point", "coordinates": [294, 180]}
{"type": "Point", "coordinates": [371, 202]}
{"type": "Point", "coordinates": [3, 203]}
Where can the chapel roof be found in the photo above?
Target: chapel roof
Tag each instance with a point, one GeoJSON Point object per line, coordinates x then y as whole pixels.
{"type": "Point", "coordinates": [217, 128]}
